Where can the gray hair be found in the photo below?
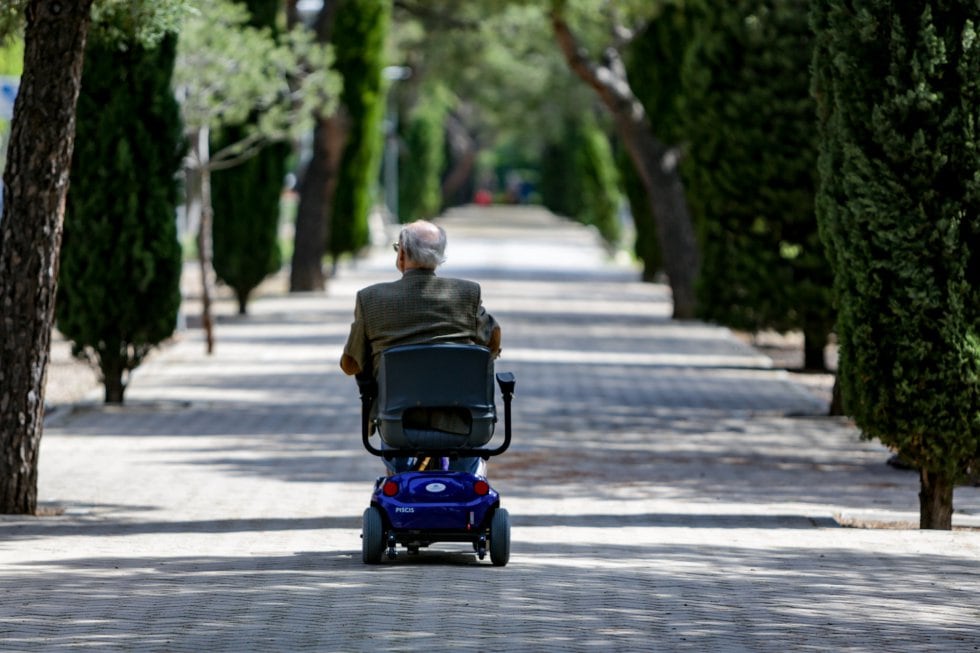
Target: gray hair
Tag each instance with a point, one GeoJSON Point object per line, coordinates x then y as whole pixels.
{"type": "Point", "coordinates": [424, 243]}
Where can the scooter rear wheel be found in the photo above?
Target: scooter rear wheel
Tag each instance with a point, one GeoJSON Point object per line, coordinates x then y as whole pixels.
{"type": "Point", "coordinates": [372, 536]}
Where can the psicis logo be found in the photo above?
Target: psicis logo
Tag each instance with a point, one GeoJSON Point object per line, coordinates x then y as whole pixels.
{"type": "Point", "coordinates": [400, 509]}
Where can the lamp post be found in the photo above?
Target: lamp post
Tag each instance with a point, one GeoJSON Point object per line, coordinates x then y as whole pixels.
{"type": "Point", "coordinates": [392, 74]}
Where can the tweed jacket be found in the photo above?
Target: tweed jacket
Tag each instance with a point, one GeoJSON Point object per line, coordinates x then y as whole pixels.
{"type": "Point", "coordinates": [418, 308]}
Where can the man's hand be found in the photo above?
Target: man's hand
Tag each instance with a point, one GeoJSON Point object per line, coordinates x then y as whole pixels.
{"type": "Point", "coordinates": [349, 365]}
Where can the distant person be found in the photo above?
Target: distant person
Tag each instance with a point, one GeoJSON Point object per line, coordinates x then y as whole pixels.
{"type": "Point", "coordinates": [418, 308]}
{"type": "Point", "coordinates": [483, 197]}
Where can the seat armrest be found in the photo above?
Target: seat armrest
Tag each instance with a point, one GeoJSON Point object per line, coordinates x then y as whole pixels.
{"type": "Point", "coordinates": [506, 381]}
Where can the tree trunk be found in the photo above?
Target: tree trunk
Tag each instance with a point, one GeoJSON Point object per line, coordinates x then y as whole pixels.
{"type": "Point", "coordinates": [657, 168]}
{"type": "Point", "coordinates": [935, 501]}
{"type": "Point", "coordinates": [837, 399]}
{"type": "Point", "coordinates": [35, 185]}
{"type": "Point", "coordinates": [315, 201]}
{"type": "Point", "coordinates": [112, 379]}
{"type": "Point", "coordinates": [205, 249]}
{"type": "Point", "coordinates": [464, 150]}
{"type": "Point", "coordinates": [813, 351]}
{"type": "Point", "coordinates": [318, 185]}
{"type": "Point", "coordinates": [656, 165]}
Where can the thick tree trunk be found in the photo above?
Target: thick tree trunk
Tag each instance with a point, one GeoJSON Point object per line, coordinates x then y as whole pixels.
{"type": "Point", "coordinates": [657, 167]}
{"type": "Point", "coordinates": [318, 185]}
{"type": "Point", "coordinates": [35, 185]}
{"type": "Point", "coordinates": [935, 501]}
{"type": "Point", "coordinates": [655, 164]}
{"type": "Point", "coordinates": [315, 201]}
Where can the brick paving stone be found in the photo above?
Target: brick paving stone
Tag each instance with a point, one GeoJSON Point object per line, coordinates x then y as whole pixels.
{"type": "Point", "coordinates": [669, 490]}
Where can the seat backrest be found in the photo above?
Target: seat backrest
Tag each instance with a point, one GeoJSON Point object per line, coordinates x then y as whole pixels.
{"type": "Point", "coordinates": [454, 377]}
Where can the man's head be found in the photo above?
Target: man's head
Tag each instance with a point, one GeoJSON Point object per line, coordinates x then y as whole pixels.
{"type": "Point", "coordinates": [421, 245]}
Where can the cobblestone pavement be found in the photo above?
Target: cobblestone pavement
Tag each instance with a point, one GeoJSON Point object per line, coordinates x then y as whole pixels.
{"type": "Point", "coordinates": [669, 491]}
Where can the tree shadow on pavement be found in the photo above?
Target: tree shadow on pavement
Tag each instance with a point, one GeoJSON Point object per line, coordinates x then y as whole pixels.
{"type": "Point", "coordinates": [566, 596]}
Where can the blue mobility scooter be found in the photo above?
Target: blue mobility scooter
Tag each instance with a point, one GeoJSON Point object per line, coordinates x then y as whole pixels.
{"type": "Point", "coordinates": [433, 501]}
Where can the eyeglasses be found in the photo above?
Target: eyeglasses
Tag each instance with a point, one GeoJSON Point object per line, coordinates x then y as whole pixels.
{"type": "Point", "coordinates": [396, 246]}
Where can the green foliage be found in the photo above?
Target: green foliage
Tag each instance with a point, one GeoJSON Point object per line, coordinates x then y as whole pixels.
{"type": "Point", "coordinates": [579, 178]}
{"type": "Point", "coordinates": [11, 63]}
{"type": "Point", "coordinates": [509, 84]}
{"type": "Point", "coordinates": [751, 168]}
{"type": "Point", "coordinates": [422, 158]}
{"type": "Point", "coordinates": [228, 72]}
{"type": "Point", "coordinates": [654, 59]}
{"type": "Point", "coordinates": [119, 283]}
{"type": "Point", "coordinates": [898, 87]}
{"type": "Point", "coordinates": [360, 29]}
{"type": "Point", "coordinates": [246, 198]}
{"type": "Point", "coordinates": [12, 57]}
{"type": "Point", "coordinates": [11, 19]}
{"type": "Point", "coordinates": [120, 22]}
{"type": "Point", "coordinates": [123, 23]}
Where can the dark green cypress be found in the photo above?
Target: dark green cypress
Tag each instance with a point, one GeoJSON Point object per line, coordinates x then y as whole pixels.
{"type": "Point", "coordinates": [359, 31]}
{"type": "Point", "coordinates": [422, 160]}
{"type": "Point", "coordinates": [898, 90]}
{"type": "Point", "coordinates": [119, 281]}
{"type": "Point", "coordinates": [245, 199]}
{"type": "Point", "coordinates": [751, 173]}
{"type": "Point", "coordinates": [600, 182]}
{"type": "Point", "coordinates": [579, 178]}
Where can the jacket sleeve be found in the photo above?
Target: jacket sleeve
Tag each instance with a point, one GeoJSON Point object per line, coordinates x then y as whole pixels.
{"type": "Point", "coordinates": [356, 358]}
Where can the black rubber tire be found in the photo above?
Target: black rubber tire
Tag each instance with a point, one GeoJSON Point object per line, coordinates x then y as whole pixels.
{"type": "Point", "coordinates": [372, 536]}
{"type": "Point", "coordinates": [500, 537]}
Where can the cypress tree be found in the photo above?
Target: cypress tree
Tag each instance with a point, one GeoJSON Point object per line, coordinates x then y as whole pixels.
{"type": "Point", "coordinates": [245, 199]}
{"type": "Point", "coordinates": [579, 178]}
{"type": "Point", "coordinates": [119, 283]}
{"type": "Point", "coordinates": [751, 173]}
{"type": "Point", "coordinates": [422, 160]}
{"type": "Point", "coordinates": [898, 90]}
{"type": "Point", "coordinates": [600, 181]}
{"type": "Point", "coordinates": [359, 33]}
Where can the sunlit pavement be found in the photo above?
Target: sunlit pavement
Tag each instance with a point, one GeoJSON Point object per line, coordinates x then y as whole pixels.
{"type": "Point", "coordinates": [669, 490]}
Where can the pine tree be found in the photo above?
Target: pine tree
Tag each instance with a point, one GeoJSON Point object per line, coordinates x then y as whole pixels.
{"type": "Point", "coordinates": [898, 90]}
{"type": "Point", "coordinates": [119, 284]}
{"type": "Point", "coordinates": [35, 183]}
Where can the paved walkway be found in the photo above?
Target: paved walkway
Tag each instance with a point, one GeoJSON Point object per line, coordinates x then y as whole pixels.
{"type": "Point", "coordinates": [668, 491]}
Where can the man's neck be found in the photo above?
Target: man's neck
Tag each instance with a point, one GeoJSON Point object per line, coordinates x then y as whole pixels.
{"type": "Point", "coordinates": [412, 267]}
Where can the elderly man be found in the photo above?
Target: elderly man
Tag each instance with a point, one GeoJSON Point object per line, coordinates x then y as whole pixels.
{"type": "Point", "coordinates": [418, 308]}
